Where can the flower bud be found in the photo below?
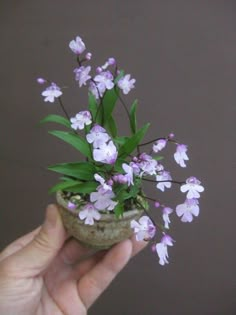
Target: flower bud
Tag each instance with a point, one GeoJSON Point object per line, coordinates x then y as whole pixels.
{"type": "Point", "coordinates": [88, 56]}
{"type": "Point", "coordinates": [41, 80]}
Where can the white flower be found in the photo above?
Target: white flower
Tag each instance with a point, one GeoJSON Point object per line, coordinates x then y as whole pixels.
{"type": "Point", "coordinates": [164, 177]}
{"type": "Point", "coordinates": [94, 90]}
{"type": "Point", "coordinates": [103, 183]}
{"type": "Point", "coordinates": [129, 173]}
{"type": "Point", "coordinates": [77, 46]}
{"type": "Point", "coordinates": [159, 145]}
{"type": "Point", "coordinates": [165, 216]}
{"type": "Point", "coordinates": [103, 200]}
{"type": "Point", "coordinates": [180, 155]}
{"type": "Point", "coordinates": [82, 75]}
{"type": "Point", "coordinates": [106, 153]}
{"type": "Point", "coordinates": [144, 229]}
{"type": "Point", "coordinates": [51, 92]}
{"type": "Point", "coordinates": [80, 120]}
{"type": "Point", "coordinates": [187, 210]}
{"type": "Point", "coordinates": [97, 136]}
{"type": "Point", "coordinates": [193, 187]}
{"type": "Point", "coordinates": [126, 84]}
{"type": "Point", "coordinates": [89, 213]}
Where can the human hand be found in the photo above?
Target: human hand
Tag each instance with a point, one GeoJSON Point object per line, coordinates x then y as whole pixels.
{"type": "Point", "coordinates": [40, 273]}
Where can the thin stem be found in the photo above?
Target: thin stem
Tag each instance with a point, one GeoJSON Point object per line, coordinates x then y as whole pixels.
{"type": "Point", "coordinates": [154, 140]}
{"type": "Point", "coordinates": [163, 181]}
{"type": "Point", "coordinates": [63, 108]}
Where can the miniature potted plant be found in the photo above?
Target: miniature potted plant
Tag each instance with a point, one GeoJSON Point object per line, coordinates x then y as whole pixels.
{"type": "Point", "coordinates": [101, 198]}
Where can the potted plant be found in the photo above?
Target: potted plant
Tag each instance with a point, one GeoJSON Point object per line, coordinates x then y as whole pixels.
{"type": "Point", "coordinates": [101, 198]}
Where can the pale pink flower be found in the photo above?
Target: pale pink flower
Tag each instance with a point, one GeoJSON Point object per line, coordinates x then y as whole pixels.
{"type": "Point", "coordinates": [51, 92]}
{"type": "Point", "coordinates": [102, 182]}
{"type": "Point", "coordinates": [77, 46]}
{"type": "Point", "coordinates": [193, 187]}
{"type": "Point", "coordinates": [126, 84]}
{"type": "Point", "coordinates": [89, 213]}
{"type": "Point", "coordinates": [129, 174]}
{"type": "Point", "coordinates": [166, 211]}
{"type": "Point", "coordinates": [82, 75]}
{"type": "Point", "coordinates": [180, 155]}
{"type": "Point", "coordinates": [103, 200]}
{"type": "Point", "coordinates": [187, 210]}
{"type": "Point", "coordinates": [159, 145]}
{"type": "Point", "coordinates": [80, 120]}
{"type": "Point", "coordinates": [164, 178]}
{"type": "Point", "coordinates": [97, 136]}
{"type": "Point", "coordinates": [162, 250]}
{"type": "Point", "coordinates": [144, 229]}
{"type": "Point", "coordinates": [104, 81]}
{"type": "Point", "coordinates": [106, 153]}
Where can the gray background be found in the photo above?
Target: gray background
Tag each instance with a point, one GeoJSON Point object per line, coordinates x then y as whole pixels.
{"type": "Point", "coordinates": [183, 55]}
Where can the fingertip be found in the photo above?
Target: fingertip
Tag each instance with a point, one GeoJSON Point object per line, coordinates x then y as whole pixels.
{"type": "Point", "coordinates": [137, 246]}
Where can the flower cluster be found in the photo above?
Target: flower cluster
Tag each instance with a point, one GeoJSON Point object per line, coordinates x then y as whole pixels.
{"type": "Point", "coordinates": [111, 178]}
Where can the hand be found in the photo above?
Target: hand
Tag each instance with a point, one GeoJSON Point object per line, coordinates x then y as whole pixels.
{"type": "Point", "coordinates": [40, 273]}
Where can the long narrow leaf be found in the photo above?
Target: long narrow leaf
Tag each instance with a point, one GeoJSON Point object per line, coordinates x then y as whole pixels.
{"type": "Point", "coordinates": [63, 186]}
{"type": "Point", "coordinates": [80, 170]}
{"type": "Point", "coordinates": [92, 105]}
{"type": "Point", "coordinates": [130, 144]}
{"type": "Point", "coordinates": [84, 188]}
{"type": "Point", "coordinates": [56, 119]}
{"type": "Point", "coordinates": [74, 140]}
{"type": "Point", "coordinates": [132, 117]}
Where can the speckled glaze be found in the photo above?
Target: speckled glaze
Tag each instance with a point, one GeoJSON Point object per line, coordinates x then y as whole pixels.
{"type": "Point", "coordinates": [103, 233]}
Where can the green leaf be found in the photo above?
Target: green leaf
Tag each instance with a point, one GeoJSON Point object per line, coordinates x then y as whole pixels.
{"type": "Point", "coordinates": [74, 140]}
{"type": "Point", "coordinates": [92, 105]}
{"type": "Point", "coordinates": [132, 117]}
{"type": "Point", "coordinates": [63, 186]}
{"type": "Point", "coordinates": [158, 158]}
{"type": "Point", "coordinates": [132, 143]}
{"type": "Point", "coordinates": [110, 126]}
{"type": "Point", "coordinates": [108, 103]}
{"type": "Point", "coordinates": [83, 188]}
{"type": "Point", "coordinates": [120, 140]}
{"type": "Point", "coordinates": [80, 170]}
{"type": "Point", "coordinates": [119, 209]}
{"type": "Point", "coordinates": [56, 119]}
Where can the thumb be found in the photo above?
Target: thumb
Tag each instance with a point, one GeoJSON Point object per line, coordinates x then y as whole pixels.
{"type": "Point", "coordinates": [35, 257]}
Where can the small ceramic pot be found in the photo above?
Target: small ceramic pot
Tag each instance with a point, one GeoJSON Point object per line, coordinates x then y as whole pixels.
{"type": "Point", "coordinates": [103, 233]}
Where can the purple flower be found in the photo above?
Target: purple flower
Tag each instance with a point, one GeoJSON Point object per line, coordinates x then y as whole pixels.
{"type": "Point", "coordinates": [144, 229]}
{"type": "Point", "coordinates": [193, 187]}
{"type": "Point", "coordinates": [147, 165]}
{"type": "Point", "coordinates": [82, 75]}
{"type": "Point", "coordinates": [164, 177]}
{"type": "Point", "coordinates": [166, 211]}
{"type": "Point", "coordinates": [126, 84]}
{"type": "Point", "coordinates": [187, 210]}
{"type": "Point", "coordinates": [89, 213]}
{"type": "Point", "coordinates": [129, 174]}
{"type": "Point", "coordinates": [103, 200]}
{"type": "Point", "coordinates": [77, 46]}
{"type": "Point", "coordinates": [120, 178]}
{"type": "Point", "coordinates": [97, 136]}
{"type": "Point", "coordinates": [106, 153]}
{"type": "Point", "coordinates": [162, 250]}
{"type": "Point", "coordinates": [180, 155]}
{"type": "Point", "coordinates": [51, 92]}
{"type": "Point", "coordinates": [80, 120]}
{"type": "Point", "coordinates": [135, 167]}
{"type": "Point", "coordinates": [159, 145]}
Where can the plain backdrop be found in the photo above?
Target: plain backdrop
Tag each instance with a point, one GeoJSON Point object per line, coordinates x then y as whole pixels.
{"type": "Point", "coordinates": [183, 56]}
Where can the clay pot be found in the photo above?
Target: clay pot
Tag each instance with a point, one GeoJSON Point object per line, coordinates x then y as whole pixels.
{"type": "Point", "coordinates": [103, 233]}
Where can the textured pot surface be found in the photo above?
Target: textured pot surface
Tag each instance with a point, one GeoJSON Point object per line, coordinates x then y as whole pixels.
{"type": "Point", "coordinates": [103, 233]}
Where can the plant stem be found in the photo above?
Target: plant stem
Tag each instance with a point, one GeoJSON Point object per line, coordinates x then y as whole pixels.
{"type": "Point", "coordinates": [163, 181]}
{"type": "Point", "coordinates": [63, 108]}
